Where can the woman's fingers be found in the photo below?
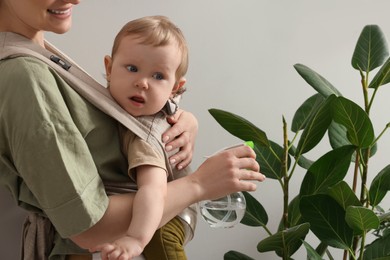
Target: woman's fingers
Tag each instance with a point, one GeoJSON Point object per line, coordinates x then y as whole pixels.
{"type": "Point", "coordinates": [181, 159]}
{"type": "Point", "coordinates": [181, 136]}
{"type": "Point", "coordinates": [229, 171]}
{"type": "Point", "coordinates": [184, 128]}
{"type": "Point", "coordinates": [251, 175]}
{"type": "Point", "coordinates": [247, 176]}
{"type": "Point", "coordinates": [243, 151]}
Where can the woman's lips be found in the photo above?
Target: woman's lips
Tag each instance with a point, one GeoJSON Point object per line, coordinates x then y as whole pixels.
{"type": "Point", "coordinates": [57, 11]}
{"type": "Point", "coordinates": [61, 12]}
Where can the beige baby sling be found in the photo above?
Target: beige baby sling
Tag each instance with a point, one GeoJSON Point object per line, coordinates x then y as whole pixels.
{"type": "Point", "coordinates": [36, 238]}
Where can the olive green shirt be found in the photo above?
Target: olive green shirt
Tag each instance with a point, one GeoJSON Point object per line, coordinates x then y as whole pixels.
{"type": "Point", "coordinates": [55, 147]}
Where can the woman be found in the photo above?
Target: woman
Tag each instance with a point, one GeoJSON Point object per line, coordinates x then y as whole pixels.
{"type": "Point", "coordinates": [56, 148]}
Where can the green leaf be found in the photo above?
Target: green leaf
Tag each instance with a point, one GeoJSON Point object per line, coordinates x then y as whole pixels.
{"type": "Point", "coordinates": [380, 185]}
{"type": "Point", "coordinates": [234, 255]}
{"type": "Point", "coordinates": [255, 214]}
{"type": "Point", "coordinates": [338, 137]}
{"type": "Point", "coordinates": [302, 161]}
{"type": "Point", "coordinates": [382, 77]}
{"type": "Point", "coordinates": [327, 220]}
{"type": "Point", "coordinates": [311, 252]}
{"type": "Point", "coordinates": [344, 195]}
{"type": "Point", "coordinates": [316, 127]}
{"type": "Point", "coordinates": [371, 49]}
{"type": "Point", "coordinates": [379, 249]}
{"type": "Point", "coordinates": [361, 219]}
{"type": "Point", "coordinates": [239, 127]}
{"type": "Point", "coordinates": [328, 170]}
{"type": "Point", "coordinates": [322, 248]}
{"type": "Point", "coordinates": [355, 119]}
{"type": "Point", "coordinates": [305, 112]}
{"type": "Point", "coordinates": [319, 83]}
{"type": "Point", "coordinates": [271, 165]}
{"type": "Point", "coordinates": [283, 240]}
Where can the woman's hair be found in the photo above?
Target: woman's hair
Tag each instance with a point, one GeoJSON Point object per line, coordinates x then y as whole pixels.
{"type": "Point", "coordinates": [156, 31]}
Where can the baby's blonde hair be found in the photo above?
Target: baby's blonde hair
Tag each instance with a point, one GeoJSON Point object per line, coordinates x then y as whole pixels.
{"type": "Point", "coordinates": [157, 31]}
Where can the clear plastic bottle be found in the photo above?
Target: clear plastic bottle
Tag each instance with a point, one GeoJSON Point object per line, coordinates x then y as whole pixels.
{"type": "Point", "coordinates": [225, 212]}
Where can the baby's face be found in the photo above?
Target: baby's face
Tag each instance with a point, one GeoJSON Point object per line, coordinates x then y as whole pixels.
{"type": "Point", "coordinates": [142, 77]}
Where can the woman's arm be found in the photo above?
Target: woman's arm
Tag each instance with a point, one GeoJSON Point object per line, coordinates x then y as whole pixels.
{"type": "Point", "coordinates": [224, 173]}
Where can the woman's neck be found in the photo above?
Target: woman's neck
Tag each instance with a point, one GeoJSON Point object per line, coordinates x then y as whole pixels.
{"type": "Point", "coordinates": [37, 38]}
{"type": "Point", "coordinates": [15, 27]}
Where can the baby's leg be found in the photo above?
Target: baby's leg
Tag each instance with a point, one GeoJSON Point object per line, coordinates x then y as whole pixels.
{"type": "Point", "coordinates": [167, 243]}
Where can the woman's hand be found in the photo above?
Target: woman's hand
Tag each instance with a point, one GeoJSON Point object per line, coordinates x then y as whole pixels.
{"type": "Point", "coordinates": [226, 172]}
{"type": "Point", "coordinates": [181, 135]}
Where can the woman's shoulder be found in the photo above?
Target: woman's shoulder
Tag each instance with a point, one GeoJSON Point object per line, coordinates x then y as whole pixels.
{"type": "Point", "coordinates": [24, 70]}
{"type": "Point", "coordinates": [27, 75]}
{"type": "Point", "coordinates": [20, 64]}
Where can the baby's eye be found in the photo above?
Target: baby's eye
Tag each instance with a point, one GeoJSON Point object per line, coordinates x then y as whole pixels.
{"type": "Point", "coordinates": [158, 76]}
{"type": "Point", "coordinates": [132, 68]}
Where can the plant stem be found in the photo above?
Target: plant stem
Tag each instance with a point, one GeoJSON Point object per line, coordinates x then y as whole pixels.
{"type": "Point", "coordinates": [286, 178]}
{"type": "Point", "coordinates": [371, 101]}
{"type": "Point", "coordinates": [380, 135]}
{"type": "Point", "coordinates": [365, 157]}
{"type": "Point", "coordinates": [356, 170]}
{"type": "Point", "coordinates": [364, 176]}
{"type": "Point", "coordinates": [354, 246]}
{"type": "Point", "coordinates": [364, 88]}
{"type": "Point", "coordinates": [362, 246]}
{"type": "Point", "coordinates": [267, 230]}
{"type": "Point", "coordinates": [329, 255]}
{"type": "Point", "coordinates": [285, 252]}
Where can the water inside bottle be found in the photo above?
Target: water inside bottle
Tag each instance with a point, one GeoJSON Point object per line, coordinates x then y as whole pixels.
{"type": "Point", "coordinates": [225, 212]}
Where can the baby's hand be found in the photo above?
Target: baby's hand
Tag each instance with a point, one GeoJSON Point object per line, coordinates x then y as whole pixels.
{"type": "Point", "coordinates": [124, 248]}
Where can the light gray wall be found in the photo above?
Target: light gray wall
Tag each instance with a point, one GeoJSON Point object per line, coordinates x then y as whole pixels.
{"type": "Point", "coordinates": [241, 60]}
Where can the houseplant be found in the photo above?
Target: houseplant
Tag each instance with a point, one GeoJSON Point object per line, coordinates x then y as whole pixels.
{"type": "Point", "coordinates": [342, 215]}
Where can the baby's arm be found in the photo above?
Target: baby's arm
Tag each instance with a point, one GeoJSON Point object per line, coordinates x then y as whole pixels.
{"type": "Point", "coordinates": [147, 212]}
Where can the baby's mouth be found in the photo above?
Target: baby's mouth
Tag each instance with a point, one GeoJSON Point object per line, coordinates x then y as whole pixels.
{"type": "Point", "coordinates": [138, 99]}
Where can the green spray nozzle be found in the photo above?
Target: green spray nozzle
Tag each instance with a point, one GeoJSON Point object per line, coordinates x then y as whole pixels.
{"type": "Point", "coordinates": [250, 144]}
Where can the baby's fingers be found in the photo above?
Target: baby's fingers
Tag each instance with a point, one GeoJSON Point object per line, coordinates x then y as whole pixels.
{"type": "Point", "coordinates": [104, 249]}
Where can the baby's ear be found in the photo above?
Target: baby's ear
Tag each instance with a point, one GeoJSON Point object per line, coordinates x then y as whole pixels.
{"type": "Point", "coordinates": [108, 66]}
{"type": "Point", "coordinates": [178, 88]}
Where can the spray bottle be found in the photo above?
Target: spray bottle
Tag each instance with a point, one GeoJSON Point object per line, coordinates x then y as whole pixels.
{"type": "Point", "coordinates": [227, 211]}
